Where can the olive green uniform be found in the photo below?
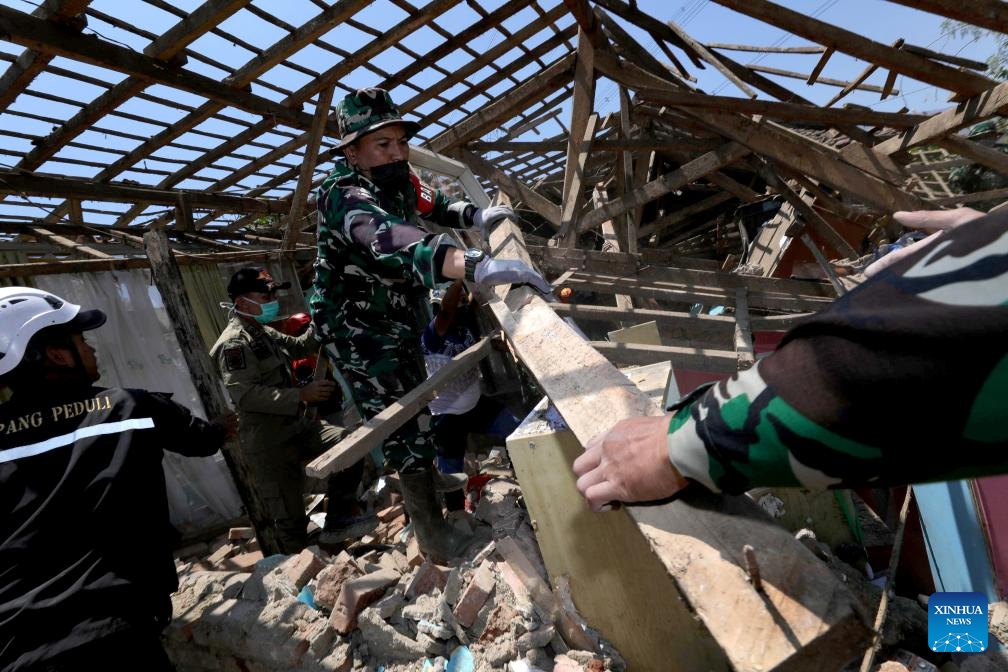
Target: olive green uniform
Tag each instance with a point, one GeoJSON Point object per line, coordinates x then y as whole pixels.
{"type": "Point", "coordinates": [276, 436]}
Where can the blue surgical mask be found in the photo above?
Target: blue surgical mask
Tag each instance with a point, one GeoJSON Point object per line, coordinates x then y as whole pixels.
{"type": "Point", "coordinates": [268, 312]}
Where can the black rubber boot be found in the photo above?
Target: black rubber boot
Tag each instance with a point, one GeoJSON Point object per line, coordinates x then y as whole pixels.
{"type": "Point", "coordinates": [435, 536]}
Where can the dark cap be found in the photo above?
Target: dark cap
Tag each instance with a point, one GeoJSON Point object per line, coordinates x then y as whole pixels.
{"type": "Point", "coordinates": [258, 280]}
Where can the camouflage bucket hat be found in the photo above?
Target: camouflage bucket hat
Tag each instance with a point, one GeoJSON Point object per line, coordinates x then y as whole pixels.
{"type": "Point", "coordinates": [368, 110]}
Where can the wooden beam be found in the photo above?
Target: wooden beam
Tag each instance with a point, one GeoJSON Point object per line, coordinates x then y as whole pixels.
{"type": "Point", "coordinates": [205, 377]}
{"type": "Point", "coordinates": [46, 37]}
{"type": "Point", "coordinates": [946, 58]}
{"type": "Point", "coordinates": [991, 14]}
{"type": "Point", "coordinates": [683, 327]}
{"type": "Point", "coordinates": [304, 184]}
{"type": "Point", "coordinates": [805, 617]}
{"type": "Point", "coordinates": [667, 222]}
{"type": "Point", "coordinates": [710, 360]}
{"type": "Point", "coordinates": [633, 51]}
{"type": "Point", "coordinates": [865, 74]}
{"type": "Point", "coordinates": [974, 151]}
{"type": "Point", "coordinates": [27, 184]}
{"type": "Point", "coordinates": [68, 244]}
{"type": "Point", "coordinates": [611, 244]}
{"type": "Point", "coordinates": [583, 122]}
{"type": "Point", "coordinates": [848, 42]}
{"type": "Point", "coordinates": [816, 160]}
{"type": "Point", "coordinates": [825, 81]}
{"type": "Point", "coordinates": [372, 432]}
{"type": "Point", "coordinates": [574, 184]}
{"type": "Point", "coordinates": [776, 110]}
{"type": "Point", "coordinates": [818, 49]}
{"type": "Point", "coordinates": [183, 213]}
{"type": "Point", "coordinates": [30, 63]}
{"type": "Point", "coordinates": [810, 216]}
{"type": "Point", "coordinates": [688, 292]}
{"type": "Point", "coordinates": [965, 113]}
{"type": "Point", "coordinates": [709, 162]}
{"type": "Point", "coordinates": [817, 70]}
{"type": "Point", "coordinates": [976, 197]}
{"type": "Point", "coordinates": [478, 123]}
{"type": "Point", "coordinates": [517, 190]}
{"type": "Point", "coordinates": [675, 35]}
{"type": "Point", "coordinates": [624, 171]}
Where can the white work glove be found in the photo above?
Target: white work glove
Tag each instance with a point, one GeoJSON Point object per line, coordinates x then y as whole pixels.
{"type": "Point", "coordinates": [508, 272]}
{"type": "Point", "coordinates": [485, 218]}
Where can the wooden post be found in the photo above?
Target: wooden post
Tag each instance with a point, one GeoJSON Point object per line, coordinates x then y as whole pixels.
{"type": "Point", "coordinates": [300, 196]}
{"type": "Point", "coordinates": [168, 280]}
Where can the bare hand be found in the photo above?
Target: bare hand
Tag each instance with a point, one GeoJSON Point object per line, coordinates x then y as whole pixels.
{"type": "Point", "coordinates": [629, 463]}
{"type": "Point", "coordinates": [932, 220]}
{"type": "Point", "coordinates": [228, 421]}
{"type": "Point", "coordinates": [317, 390]}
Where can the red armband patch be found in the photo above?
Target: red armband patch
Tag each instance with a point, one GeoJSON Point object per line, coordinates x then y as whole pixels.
{"type": "Point", "coordinates": [424, 195]}
{"type": "Point", "coordinates": [234, 359]}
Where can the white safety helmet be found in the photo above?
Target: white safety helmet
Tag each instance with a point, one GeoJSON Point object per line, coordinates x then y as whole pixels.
{"type": "Point", "coordinates": [25, 311]}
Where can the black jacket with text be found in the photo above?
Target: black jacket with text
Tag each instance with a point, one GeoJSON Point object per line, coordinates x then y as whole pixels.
{"type": "Point", "coordinates": [85, 537]}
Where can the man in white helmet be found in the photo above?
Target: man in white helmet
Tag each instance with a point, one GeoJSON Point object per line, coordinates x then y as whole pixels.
{"type": "Point", "coordinates": [80, 467]}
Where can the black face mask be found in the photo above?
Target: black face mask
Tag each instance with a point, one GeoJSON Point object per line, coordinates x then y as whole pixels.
{"type": "Point", "coordinates": [392, 177]}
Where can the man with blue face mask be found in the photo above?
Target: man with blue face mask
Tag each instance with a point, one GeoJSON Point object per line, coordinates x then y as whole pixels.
{"type": "Point", "coordinates": [255, 363]}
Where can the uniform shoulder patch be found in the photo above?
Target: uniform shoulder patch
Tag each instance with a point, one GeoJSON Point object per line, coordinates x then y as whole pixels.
{"type": "Point", "coordinates": [234, 358]}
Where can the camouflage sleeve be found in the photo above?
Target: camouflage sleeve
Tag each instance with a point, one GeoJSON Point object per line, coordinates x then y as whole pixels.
{"type": "Point", "coordinates": [401, 250]}
{"type": "Point", "coordinates": [902, 380]}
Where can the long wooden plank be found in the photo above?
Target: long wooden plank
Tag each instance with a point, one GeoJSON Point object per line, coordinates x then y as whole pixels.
{"type": "Point", "coordinates": [14, 182]}
{"type": "Point", "coordinates": [783, 111]}
{"type": "Point", "coordinates": [806, 618]}
{"type": "Point", "coordinates": [965, 113]}
{"type": "Point", "coordinates": [29, 64]}
{"type": "Point", "coordinates": [372, 432]}
{"type": "Point", "coordinates": [912, 65]}
{"type": "Point", "coordinates": [992, 14]}
{"type": "Point", "coordinates": [690, 293]}
{"type": "Point", "coordinates": [46, 37]}
{"type": "Point", "coordinates": [205, 378]}
{"type": "Point", "coordinates": [517, 190]}
{"type": "Point", "coordinates": [677, 325]}
{"type": "Point", "coordinates": [300, 196]}
{"type": "Point", "coordinates": [478, 123]}
{"type": "Point", "coordinates": [709, 162]}
{"type": "Point", "coordinates": [988, 156]}
{"type": "Point", "coordinates": [267, 58]}
{"type": "Point", "coordinates": [804, 155]}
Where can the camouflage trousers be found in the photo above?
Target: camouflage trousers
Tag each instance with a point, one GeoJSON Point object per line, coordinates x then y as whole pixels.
{"type": "Point", "coordinates": [379, 373]}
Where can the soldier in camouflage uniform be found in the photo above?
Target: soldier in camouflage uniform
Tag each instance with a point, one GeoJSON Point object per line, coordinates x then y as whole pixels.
{"type": "Point", "coordinates": [902, 380]}
{"type": "Point", "coordinates": [375, 265]}
{"type": "Point", "coordinates": [276, 433]}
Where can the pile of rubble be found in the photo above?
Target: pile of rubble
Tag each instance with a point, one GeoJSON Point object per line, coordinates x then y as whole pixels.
{"type": "Point", "coordinates": [380, 605]}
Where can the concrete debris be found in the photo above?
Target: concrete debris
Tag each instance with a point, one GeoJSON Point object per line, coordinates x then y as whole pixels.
{"type": "Point", "coordinates": [378, 603]}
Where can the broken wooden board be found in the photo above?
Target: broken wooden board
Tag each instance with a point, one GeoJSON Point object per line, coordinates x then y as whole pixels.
{"type": "Point", "coordinates": [686, 553]}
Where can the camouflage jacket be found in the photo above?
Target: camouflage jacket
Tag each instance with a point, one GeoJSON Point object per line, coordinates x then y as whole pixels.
{"type": "Point", "coordinates": [374, 260]}
{"type": "Point", "coordinates": [902, 380]}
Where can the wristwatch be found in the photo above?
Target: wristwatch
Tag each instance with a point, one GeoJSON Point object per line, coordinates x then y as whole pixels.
{"type": "Point", "coordinates": [473, 256]}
